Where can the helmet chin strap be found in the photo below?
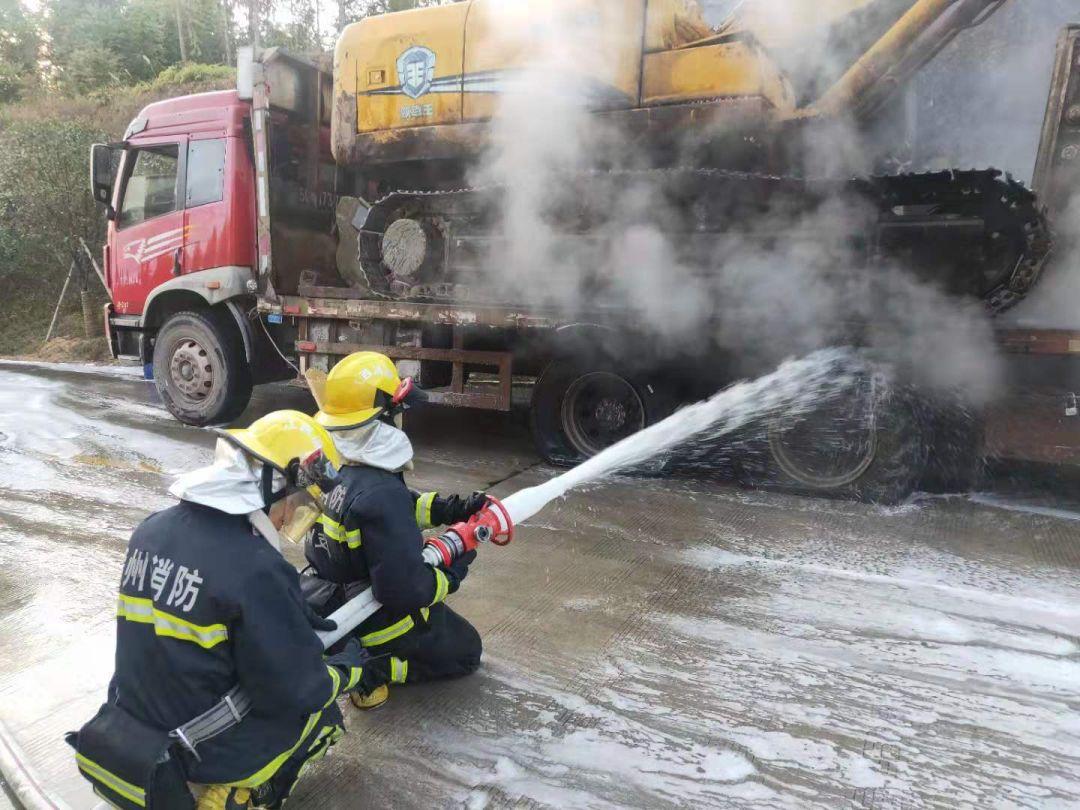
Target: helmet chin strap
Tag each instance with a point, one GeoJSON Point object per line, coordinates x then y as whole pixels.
{"type": "Point", "coordinates": [266, 485]}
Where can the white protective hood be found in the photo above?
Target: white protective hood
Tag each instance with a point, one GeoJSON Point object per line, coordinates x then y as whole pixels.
{"type": "Point", "coordinates": [231, 484]}
{"type": "Point", "coordinates": [375, 444]}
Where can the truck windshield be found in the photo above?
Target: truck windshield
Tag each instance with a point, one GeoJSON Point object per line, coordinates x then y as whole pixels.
{"type": "Point", "coordinates": [151, 185]}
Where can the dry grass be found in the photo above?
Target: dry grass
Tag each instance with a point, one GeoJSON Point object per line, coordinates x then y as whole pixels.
{"type": "Point", "coordinates": [109, 111]}
{"type": "Point", "coordinates": [71, 350]}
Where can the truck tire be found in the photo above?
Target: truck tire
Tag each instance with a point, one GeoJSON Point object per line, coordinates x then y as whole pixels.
{"type": "Point", "coordinates": [579, 408]}
{"type": "Point", "coordinates": [200, 369]}
{"type": "Point", "coordinates": [858, 445]}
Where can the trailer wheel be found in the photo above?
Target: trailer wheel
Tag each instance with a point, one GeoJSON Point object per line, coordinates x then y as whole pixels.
{"type": "Point", "coordinates": [200, 369]}
{"type": "Point", "coordinates": [580, 409]}
{"type": "Point", "coordinates": [865, 444]}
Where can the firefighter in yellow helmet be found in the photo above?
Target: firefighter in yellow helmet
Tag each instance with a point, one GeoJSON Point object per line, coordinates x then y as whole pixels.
{"type": "Point", "coordinates": [370, 530]}
{"type": "Point", "coordinates": [220, 678]}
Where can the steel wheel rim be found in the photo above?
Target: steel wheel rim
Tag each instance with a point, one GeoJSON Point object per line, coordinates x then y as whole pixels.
{"type": "Point", "coordinates": [599, 409]}
{"type": "Point", "coordinates": [856, 463]}
{"type": "Point", "coordinates": [191, 370]}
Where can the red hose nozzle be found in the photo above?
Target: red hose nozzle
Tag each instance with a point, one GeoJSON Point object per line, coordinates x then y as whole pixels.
{"type": "Point", "coordinates": [493, 523]}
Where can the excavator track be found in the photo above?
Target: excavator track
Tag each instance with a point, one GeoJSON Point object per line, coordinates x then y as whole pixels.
{"type": "Point", "coordinates": [975, 233]}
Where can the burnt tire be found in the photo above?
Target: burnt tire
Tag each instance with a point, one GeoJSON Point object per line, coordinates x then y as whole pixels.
{"type": "Point", "coordinates": [856, 445]}
{"type": "Point", "coordinates": [200, 369]}
{"type": "Point", "coordinates": [578, 409]}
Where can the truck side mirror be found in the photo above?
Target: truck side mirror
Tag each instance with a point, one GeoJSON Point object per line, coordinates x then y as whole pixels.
{"type": "Point", "coordinates": [103, 174]}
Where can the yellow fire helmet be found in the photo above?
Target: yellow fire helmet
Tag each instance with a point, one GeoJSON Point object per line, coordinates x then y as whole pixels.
{"type": "Point", "coordinates": [359, 388]}
{"type": "Point", "coordinates": [282, 437]}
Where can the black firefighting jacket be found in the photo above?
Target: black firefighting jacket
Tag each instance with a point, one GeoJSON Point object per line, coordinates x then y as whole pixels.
{"type": "Point", "coordinates": [369, 534]}
{"type": "Point", "coordinates": [206, 603]}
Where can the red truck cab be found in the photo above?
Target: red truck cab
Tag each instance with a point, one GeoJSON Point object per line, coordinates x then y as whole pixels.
{"type": "Point", "coordinates": [180, 255]}
{"type": "Point", "coordinates": [184, 201]}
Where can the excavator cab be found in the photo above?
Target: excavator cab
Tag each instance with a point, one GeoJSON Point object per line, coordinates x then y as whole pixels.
{"type": "Point", "coordinates": [424, 84]}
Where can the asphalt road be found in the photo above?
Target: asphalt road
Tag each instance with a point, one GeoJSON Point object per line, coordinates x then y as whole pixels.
{"type": "Point", "coordinates": [648, 643]}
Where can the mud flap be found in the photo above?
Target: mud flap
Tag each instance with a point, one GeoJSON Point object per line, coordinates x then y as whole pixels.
{"type": "Point", "coordinates": [130, 764]}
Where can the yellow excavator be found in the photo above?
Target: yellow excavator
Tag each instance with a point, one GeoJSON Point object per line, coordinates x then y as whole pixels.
{"type": "Point", "coordinates": [715, 116]}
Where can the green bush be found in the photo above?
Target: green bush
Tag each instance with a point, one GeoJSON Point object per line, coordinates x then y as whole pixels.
{"type": "Point", "coordinates": [91, 68]}
{"type": "Point", "coordinates": [45, 202]}
{"type": "Point", "coordinates": [189, 73]}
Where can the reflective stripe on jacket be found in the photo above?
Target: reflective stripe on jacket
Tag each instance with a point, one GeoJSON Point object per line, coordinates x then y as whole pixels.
{"type": "Point", "coordinates": [206, 603]}
{"type": "Point", "coordinates": [371, 534]}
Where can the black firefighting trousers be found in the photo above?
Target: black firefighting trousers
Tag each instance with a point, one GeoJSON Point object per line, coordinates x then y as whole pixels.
{"type": "Point", "coordinates": [446, 646]}
{"type": "Point", "coordinates": [273, 793]}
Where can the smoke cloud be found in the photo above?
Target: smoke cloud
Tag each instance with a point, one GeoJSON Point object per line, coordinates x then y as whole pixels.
{"type": "Point", "coordinates": [1055, 303]}
{"type": "Point", "coordinates": [780, 284]}
{"type": "Point", "coordinates": [982, 103]}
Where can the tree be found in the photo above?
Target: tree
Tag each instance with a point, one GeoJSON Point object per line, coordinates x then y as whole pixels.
{"type": "Point", "coordinates": [93, 67]}
{"type": "Point", "coordinates": [181, 25]}
{"type": "Point", "coordinates": [20, 43]}
{"type": "Point", "coordinates": [143, 36]}
{"type": "Point", "coordinates": [225, 33]}
{"type": "Point", "coordinates": [353, 10]}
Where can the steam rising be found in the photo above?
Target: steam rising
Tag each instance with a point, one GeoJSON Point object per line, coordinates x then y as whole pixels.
{"type": "Point", "coordinates": [756, 297]}
{"type": "Point", "coordinates": [983, 103]}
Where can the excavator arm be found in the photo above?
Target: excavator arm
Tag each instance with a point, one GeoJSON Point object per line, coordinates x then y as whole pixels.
{"type": "Point", "coordinates": [846, 57]}
{"type": "Point", "coordinates": [869, 48]}
{"type": "Point", "coordinates": [917, 37]}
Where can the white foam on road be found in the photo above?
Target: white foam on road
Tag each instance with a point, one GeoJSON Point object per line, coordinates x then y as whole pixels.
{"type": "Point", "coordinates": [1063, 614]}
{"type": "Point", "coordinates": [100, 369]}
{"type": "Point", "coordinates": [585, 752]}
{"type": "Point", "coordinates": [1011, 505]}
{"type": "Point", "coordinates": [965, 695]}
{"type": "Point", "coordinates": [93, 443]}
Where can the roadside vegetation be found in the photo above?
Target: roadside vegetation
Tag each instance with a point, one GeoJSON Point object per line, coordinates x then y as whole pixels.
{"type": "Point", "coordinates": [75, 72]}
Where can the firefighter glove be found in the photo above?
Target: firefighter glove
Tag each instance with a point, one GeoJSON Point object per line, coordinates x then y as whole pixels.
{"type": "Point", "coordinates": [316, 621]}
{"type": "Point", "coordinates": [458, 570]}
{"type": "Point", "coordinates": [457, 508]}
{"type": "Point", "coordinates": [360, 672]}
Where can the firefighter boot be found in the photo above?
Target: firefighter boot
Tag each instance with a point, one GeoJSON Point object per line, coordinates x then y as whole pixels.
{"type": "Point", "coordinates": [223, 797]}
{"type": "Point", "coordinates": [373, 700]}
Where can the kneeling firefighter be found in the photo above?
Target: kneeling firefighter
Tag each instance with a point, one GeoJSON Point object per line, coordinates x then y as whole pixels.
{"type": "Point", "coordinates": [220, 678]}
{"type": "Point", "coordinates": [369, 534]}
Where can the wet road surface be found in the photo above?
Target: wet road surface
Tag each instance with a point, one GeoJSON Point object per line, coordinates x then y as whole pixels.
{"type": "Point", "coordinates": [647, 643]}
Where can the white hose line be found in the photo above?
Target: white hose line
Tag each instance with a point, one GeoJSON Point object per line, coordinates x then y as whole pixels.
{"type": "Point", "coordinates": [348, 617]}
{"type": "Point", "coordinates": [21, 777]}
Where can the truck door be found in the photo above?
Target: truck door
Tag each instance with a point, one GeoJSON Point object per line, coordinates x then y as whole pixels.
{"type": "Point", "coordinates": [149, 222]}
{"type": "Point", "coordinates": [208, 240]}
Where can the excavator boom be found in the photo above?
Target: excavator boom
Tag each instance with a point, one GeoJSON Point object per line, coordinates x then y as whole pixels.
{"type": "Point", "coordinates": [916, 38]}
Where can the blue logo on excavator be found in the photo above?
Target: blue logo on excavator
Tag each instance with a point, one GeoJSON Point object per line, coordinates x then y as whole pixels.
{"type": "Point", "coordinates": [416, 69]}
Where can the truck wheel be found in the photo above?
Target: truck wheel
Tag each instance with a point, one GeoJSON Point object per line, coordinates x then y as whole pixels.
{"type": "Point", "coordinates": [864, 444]}
{"type": "Point", "coordinates": [580, 409]}
{"type": "Point", "coordinates": [200, 369]}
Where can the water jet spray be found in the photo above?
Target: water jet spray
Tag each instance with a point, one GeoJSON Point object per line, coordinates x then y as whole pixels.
{"type": "Point", "coordinates": [793, 388]}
